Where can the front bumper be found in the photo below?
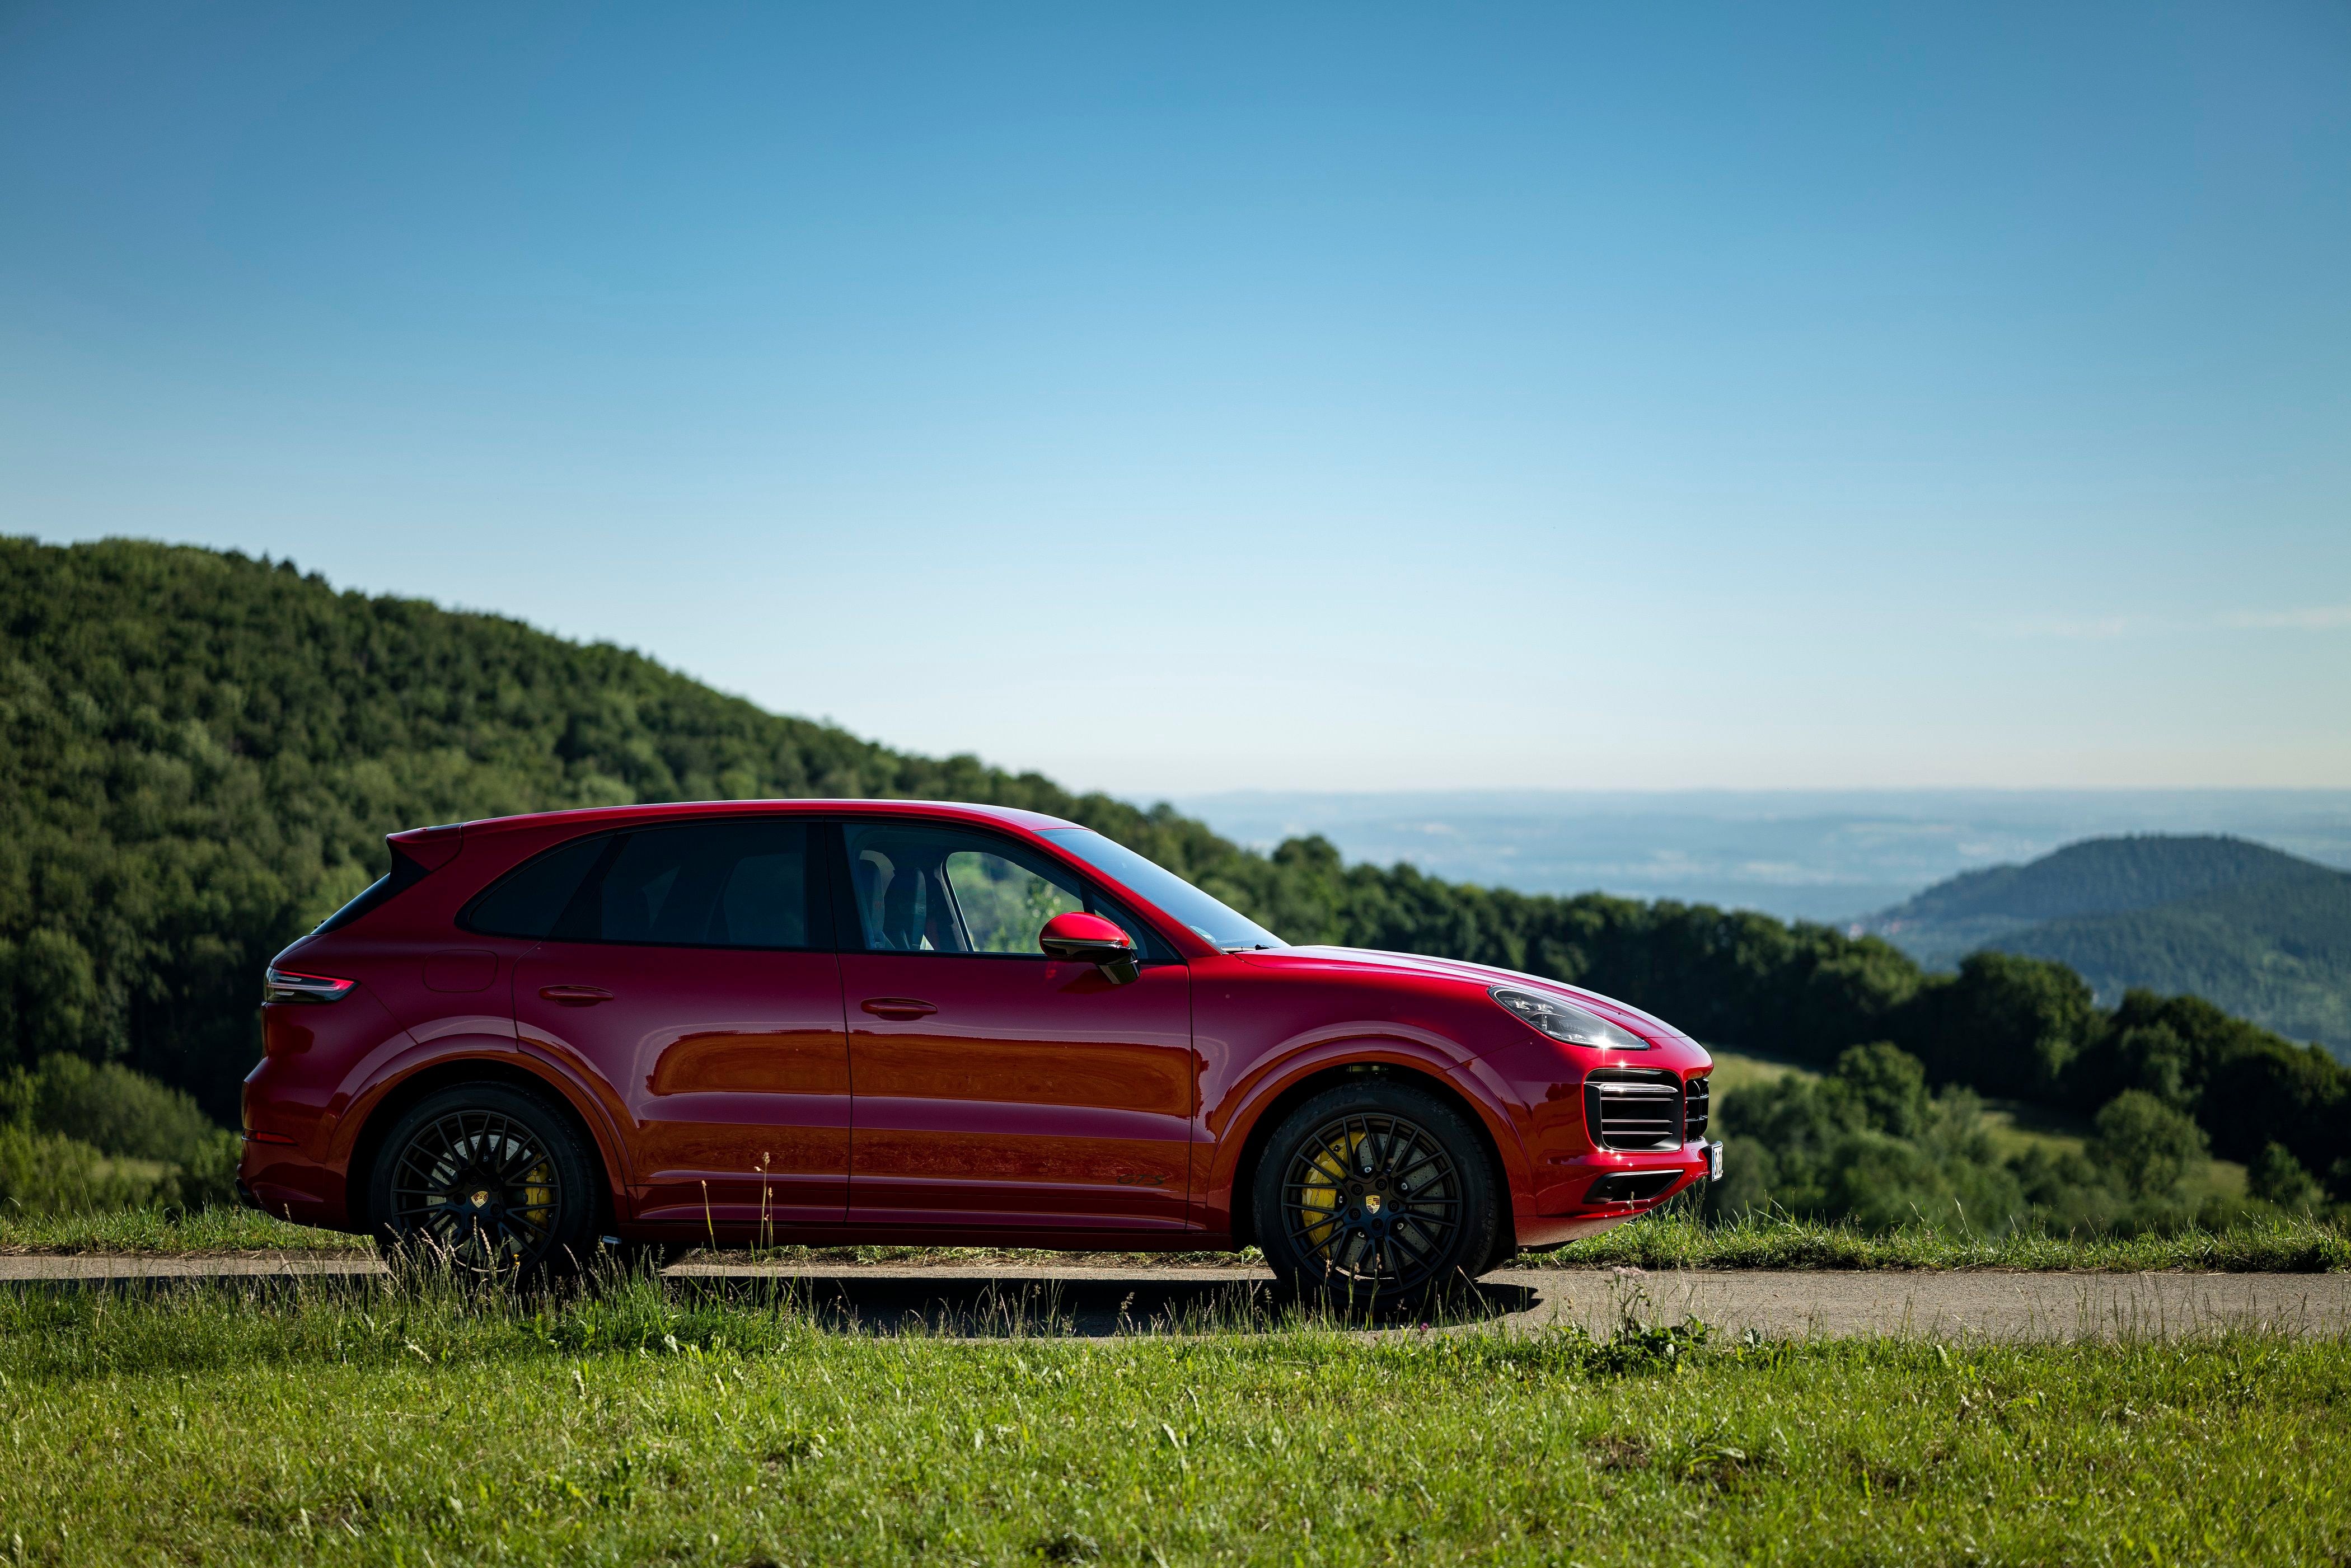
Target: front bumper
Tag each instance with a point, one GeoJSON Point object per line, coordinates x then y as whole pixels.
{"type": "Point", "coordinates": [1603, 1190]}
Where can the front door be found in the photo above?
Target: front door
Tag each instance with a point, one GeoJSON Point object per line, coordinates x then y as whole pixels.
{"type": "Point", "coordinates": [997, 1087]}
{"type": "Point", "coordinates": [691, 972]}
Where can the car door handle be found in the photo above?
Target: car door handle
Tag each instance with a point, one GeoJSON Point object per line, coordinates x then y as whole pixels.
{"type": "Point", "coordinates": [897, 1007]}
{"type": "Point", "coordinates": [575, 995]}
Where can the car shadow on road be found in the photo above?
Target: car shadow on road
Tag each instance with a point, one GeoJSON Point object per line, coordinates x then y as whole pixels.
{"type": "Point", "coordinates": [977, 1305]}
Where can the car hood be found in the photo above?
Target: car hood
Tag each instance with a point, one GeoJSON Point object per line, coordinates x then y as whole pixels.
{"type": "Point", "coordinates": [1370, 961]}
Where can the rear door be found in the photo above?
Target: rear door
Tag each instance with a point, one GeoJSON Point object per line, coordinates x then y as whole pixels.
{"type": "Point", "coordinates": [689, 968]}
{"type": "Point", "coordinates": [997, 1087]}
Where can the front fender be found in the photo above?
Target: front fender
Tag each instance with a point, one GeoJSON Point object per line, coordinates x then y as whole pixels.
{"type": "Point", "coordinates": [1232, 1125]}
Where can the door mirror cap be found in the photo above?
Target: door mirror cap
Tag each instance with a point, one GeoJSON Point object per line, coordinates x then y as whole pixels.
{"type": "Point", "coordinates": [1090, 939]}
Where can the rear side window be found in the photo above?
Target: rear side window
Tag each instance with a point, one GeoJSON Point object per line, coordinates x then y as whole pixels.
{"type": "Point", "coordinates": [709, 884]}
{"type": "Point", "coordinates": [728, 884]}
{"type": "Point", "coordinates": [528, 902]}
{"type": "Point", "coordinates": [405, 874]}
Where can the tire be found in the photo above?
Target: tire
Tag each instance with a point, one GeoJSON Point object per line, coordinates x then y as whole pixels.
{"type": "Point", "coordinates": [490, 1178]}
{"type": "Point", "coordinates": [1373, 1195]}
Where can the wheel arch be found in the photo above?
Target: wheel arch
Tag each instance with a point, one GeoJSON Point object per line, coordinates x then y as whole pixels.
{"type": "Point", "coordinates": [401, 1096]}
{"type": "Point", "coordinates": [1269, 1115]}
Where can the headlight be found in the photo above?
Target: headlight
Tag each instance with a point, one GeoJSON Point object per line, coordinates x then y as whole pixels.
{"type": "Point", "coordinates": [1562, 1020]}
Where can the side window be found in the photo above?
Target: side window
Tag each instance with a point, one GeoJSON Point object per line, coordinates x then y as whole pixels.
{"type": "Point", "coordinates": [530, 901]}
{"type": "Point", "coordinates": [740, 883]}
{"type": "Point", "coordinates": [935, 889]}
{"type": "Point", "coordinates": [1004, 905]}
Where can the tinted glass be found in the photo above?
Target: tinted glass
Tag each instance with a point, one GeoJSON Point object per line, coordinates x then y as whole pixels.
{"type": "Point", "coordinates": [935, 890]}
{"type": "Point", "coordinates": [405, 874]}
{"type": "Point", "coordinates": [741, 883]}
{"type": "Point", "coordinates": [530, 901]}
{"type": "Point", "coordinates": [1214, 922]}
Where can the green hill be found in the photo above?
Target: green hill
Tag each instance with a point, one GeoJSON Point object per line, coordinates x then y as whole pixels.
{"type": "Point", "coordinates": [200, 754]}
{"type": "Point", "coordinates": [2264, 934]}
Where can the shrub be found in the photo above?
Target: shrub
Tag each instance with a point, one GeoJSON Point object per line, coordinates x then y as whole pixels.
{"type": "Point", "coordinates": [45, 1173]}
{"type": "Point", "coordinates": [2277, 1178]}
{"type": "Point", "coordinates": [2067, 1193]}
{"type": "Point", "coordinates": [119, 1111]}
{"type": "Point", "coordinates": [207, 1178]}
{"type": "Point", "coordinates": [1868, 1145]}
{"type": "Point", "coordinates": [82, 1136]}
{"type": "Point", "coordinates": [1889, 1086]}
{"type": "Point", "coordinates": [2144, 1146]}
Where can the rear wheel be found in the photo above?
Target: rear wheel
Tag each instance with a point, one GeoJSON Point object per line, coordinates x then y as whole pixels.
{"type": "Point", "coordinates": [488, 1176]}
{"type": "Point", "coordinates": [1373, 1194]}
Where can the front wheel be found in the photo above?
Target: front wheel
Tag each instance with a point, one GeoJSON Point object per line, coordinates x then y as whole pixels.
{"type": "Point", "coordinates": [490, 1178]}
{"type": "Point", "coordinates": [1372, 1194]}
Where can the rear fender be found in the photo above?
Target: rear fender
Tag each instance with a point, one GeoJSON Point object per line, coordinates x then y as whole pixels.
{"type": "Point", "coordinates": [499, 1059]}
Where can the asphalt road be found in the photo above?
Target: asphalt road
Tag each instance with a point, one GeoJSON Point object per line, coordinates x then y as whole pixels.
{"type": "Point", "coordinates": [998, 1299]}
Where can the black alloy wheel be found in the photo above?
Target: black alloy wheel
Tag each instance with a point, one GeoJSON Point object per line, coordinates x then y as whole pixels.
{"type": "Point", "coordinates": [490, 1178]}
{"type": "Point", "coordinates": [1376, 1193]}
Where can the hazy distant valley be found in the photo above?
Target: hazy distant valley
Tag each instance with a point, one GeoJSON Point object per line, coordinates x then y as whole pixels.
{"type": "Point", "coordinates": [1802, 855]}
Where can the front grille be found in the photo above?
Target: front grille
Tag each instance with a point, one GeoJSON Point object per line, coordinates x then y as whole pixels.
{"type": "Point", "coordinates": [1632, 1107]}
{"type": "Point", "coordinates": [1694, 1105]}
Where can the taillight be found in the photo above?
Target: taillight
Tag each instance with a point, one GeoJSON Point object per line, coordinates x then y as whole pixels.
{"type": "Point", "coordinates": [292, 985]}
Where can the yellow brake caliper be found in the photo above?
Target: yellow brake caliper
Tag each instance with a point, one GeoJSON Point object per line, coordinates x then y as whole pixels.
{"type": "Point", "coordinates": [1318, 1206]}
{"type": "Point", "coordinates": [539, 1196]}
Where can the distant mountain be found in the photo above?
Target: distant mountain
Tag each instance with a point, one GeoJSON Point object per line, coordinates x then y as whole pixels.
{"type": "Point", "coordinates": [2264, 934]}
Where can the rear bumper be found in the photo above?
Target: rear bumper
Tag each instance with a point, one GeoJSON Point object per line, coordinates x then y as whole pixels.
{"type": "Point", "coordinates": [283, 1182]}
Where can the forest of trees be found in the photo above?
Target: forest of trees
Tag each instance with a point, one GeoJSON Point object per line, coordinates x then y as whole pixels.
{"type": "Point", "coordinates": [202, 753]}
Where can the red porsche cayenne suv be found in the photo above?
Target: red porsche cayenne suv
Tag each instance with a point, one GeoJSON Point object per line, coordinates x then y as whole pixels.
{"type": "Point", "coordinates": [819, 1021]}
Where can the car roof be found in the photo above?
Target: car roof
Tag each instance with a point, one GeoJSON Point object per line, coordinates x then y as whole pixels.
{"type": "Point", "coordinates": [1034, 821]}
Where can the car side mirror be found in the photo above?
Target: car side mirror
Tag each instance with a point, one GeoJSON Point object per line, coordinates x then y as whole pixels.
{"type": "Point", "coordinates": [1090, 939]}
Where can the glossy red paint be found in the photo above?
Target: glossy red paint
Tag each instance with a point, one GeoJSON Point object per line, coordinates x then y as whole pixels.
{"type": "Point", "coordinates": [828, 1092]}
{"type": "Point", "coordinates": [1075, 934]}
{"type": "Point", "coordinates": [1032, 1095]}
{"type": "Point", "coordinates": [731, 1067]}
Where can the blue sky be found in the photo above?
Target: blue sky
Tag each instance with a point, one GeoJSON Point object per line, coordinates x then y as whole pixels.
{"type": "Point", "coordinates": [1290, 397]}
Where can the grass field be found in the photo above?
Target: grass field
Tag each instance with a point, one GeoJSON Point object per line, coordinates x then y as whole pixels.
{"type": "Point", "coordinates": [409, 1424]}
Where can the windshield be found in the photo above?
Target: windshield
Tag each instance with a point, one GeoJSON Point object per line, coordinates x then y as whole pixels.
{"type": "Point", "coordinates": [1211, 921]}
